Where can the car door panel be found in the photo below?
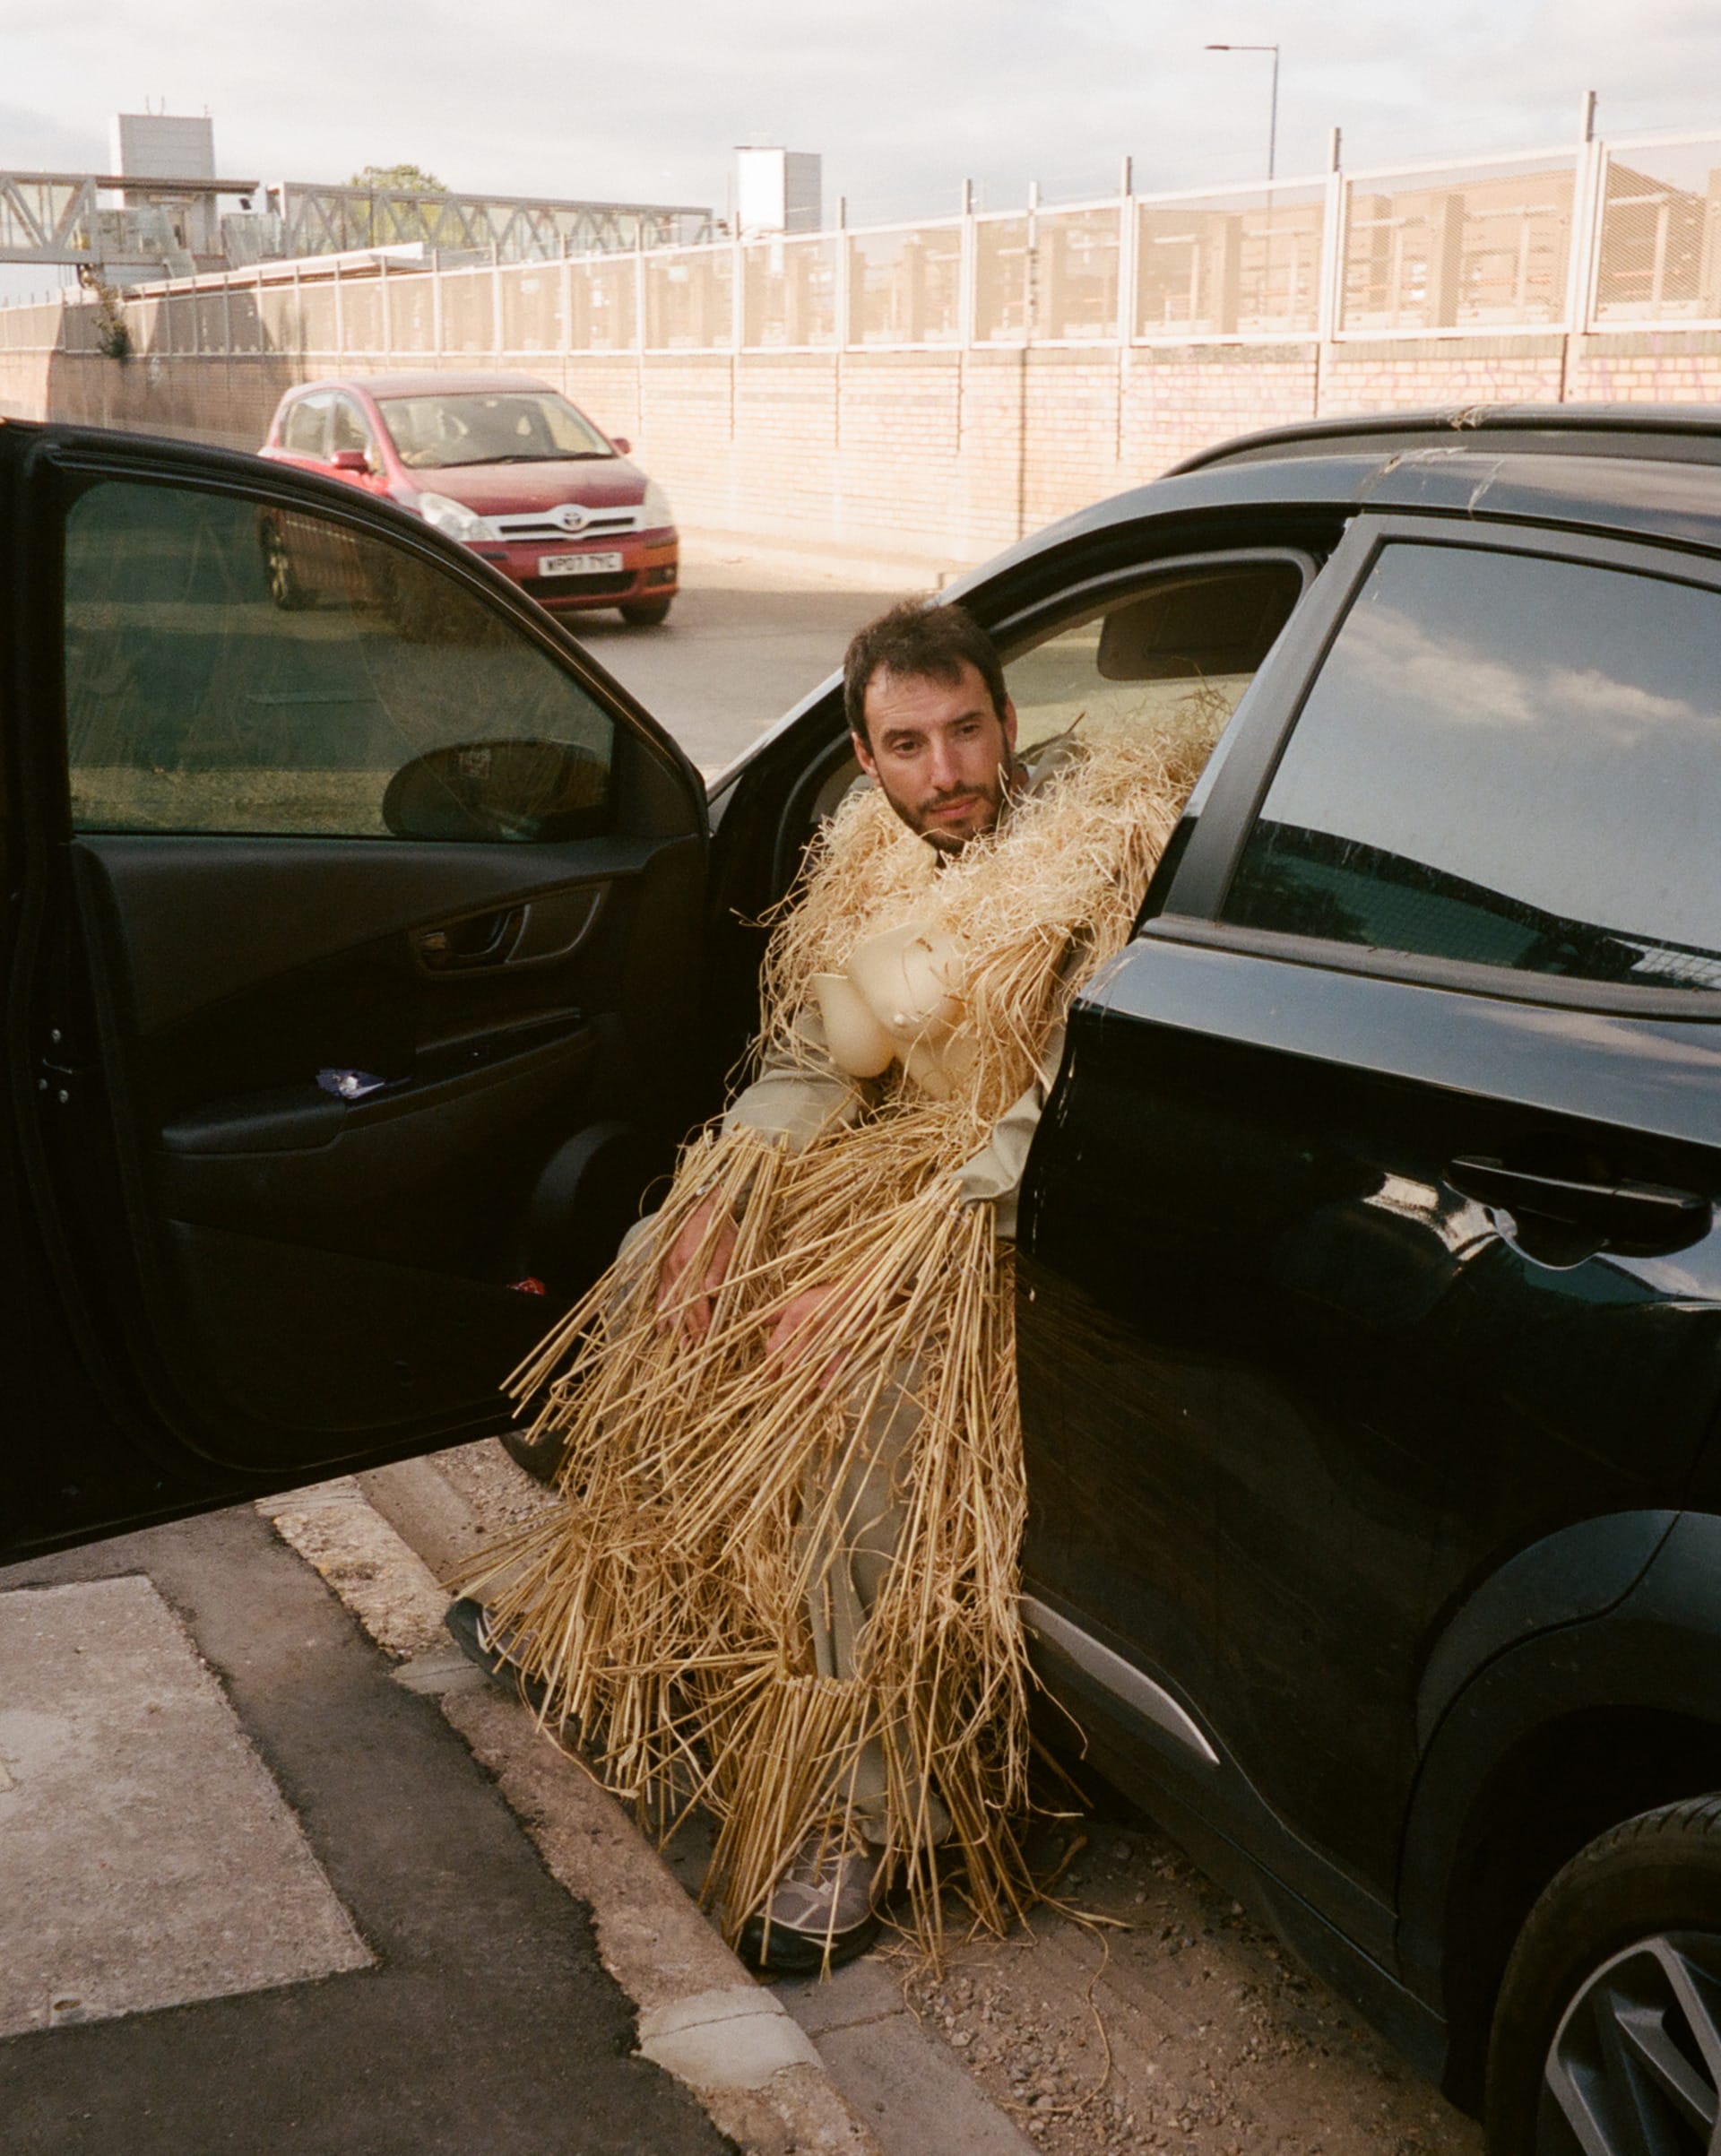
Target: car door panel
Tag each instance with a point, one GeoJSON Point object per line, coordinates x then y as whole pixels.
{"type": "Point", "coordinates": [275, 1279]}
{"type": "Point", "coordinates": [1337, 1382]}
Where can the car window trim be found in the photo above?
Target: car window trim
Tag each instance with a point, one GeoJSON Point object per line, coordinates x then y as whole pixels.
{"type": "Point", "coordinates": [1073, 599]}
{"type": "Point", "coordinates": [1566, 991]}
{"type": "Point", "coordinates": [292, 487]}
{"type": "Point", "coordinates": [1248, 755]}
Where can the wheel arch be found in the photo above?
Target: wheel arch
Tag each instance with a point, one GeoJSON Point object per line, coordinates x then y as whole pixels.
{"type": "Point", "coordinates": [1549, 1744]}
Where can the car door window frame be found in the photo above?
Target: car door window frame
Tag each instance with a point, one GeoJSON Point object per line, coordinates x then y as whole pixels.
{"type": "Point", "coordinates": [1009, 633]}
{"type": "Point", "coordinates": [56, 463]}
{"type": "Point", "coordinates": [1234, 790]}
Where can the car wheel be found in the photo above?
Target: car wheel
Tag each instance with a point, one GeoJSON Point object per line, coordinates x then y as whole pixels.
{"type": "Point", "coordinates": [1607, 2037]}
{"type": "Point", "coordinates": [646, 614]}
{"type": "Point", "coordinates": [284, 588]}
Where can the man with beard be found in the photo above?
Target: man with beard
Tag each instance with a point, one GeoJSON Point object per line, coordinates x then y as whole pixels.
{"type": "Point", "coordinates": [785, 1580]}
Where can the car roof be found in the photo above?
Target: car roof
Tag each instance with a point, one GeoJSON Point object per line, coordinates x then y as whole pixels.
{"type": "Point", "coordinates": [1626, 468]}
{"type": "Point", "coordinates": [418, 380]}
{"type": "Point", "coordinates": [1684, 433]}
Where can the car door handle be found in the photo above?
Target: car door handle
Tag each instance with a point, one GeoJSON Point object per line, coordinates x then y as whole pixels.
{"type": "Point", "coordinates": [481, 940]}
{"type": "Point", "coordinates": [1638, 1219]}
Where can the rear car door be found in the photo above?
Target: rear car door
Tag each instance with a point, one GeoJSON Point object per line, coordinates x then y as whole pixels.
{"type": "Point", "coordinates": [1378, 1196]}
{"type": "Point", "coordinates": [353, 932]}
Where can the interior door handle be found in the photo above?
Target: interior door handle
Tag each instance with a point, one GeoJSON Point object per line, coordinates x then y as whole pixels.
{"type": "Point", "coordinates": [1637, 1219]}
{"type": "Point", "coordinates": [481, 940]}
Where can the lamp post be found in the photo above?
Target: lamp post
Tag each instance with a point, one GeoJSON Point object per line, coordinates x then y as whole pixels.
{"type": "Point", "coordinates": [1273, 123]}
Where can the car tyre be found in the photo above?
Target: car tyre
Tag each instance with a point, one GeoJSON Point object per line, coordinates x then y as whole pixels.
{"type": "Point", "coordinates": [284, 586]}
{"type": "Point", "coordinates": [646, 614]}
{"type": "Point", "coordinates": [1609, 2013]}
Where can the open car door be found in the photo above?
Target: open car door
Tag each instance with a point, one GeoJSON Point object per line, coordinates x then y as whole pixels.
{"type": "Point", "coordinates": [353, 930]}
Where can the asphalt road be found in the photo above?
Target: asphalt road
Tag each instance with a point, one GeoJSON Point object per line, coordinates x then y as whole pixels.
{"type": "Point", "coordinates": [749, 635]}
{"type": "Point", "coordinates": [472, 2012]}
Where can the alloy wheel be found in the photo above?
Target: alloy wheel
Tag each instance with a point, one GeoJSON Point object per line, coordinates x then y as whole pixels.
{"type": "Point", "coordinates": [1635, 2066]}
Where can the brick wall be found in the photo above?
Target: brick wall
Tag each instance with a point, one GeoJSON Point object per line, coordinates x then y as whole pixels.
{"type": "Point", "coordinates": [948, 453]}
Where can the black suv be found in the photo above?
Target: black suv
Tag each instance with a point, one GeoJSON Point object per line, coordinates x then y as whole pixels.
{"type": "Point", "coordinates": [363, 959]}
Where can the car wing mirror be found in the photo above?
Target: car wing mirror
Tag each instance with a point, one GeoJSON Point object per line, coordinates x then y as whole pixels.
{"type": "Point", "coordinates": [349, 460]}
{"type": "Point", "coordinates": [515, 790]}
{"type": "Point", "coordinates": [621, 445]}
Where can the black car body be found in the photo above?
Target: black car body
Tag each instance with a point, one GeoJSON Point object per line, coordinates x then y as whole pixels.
{"type": "Point", "coordinates": [1368, 1282]}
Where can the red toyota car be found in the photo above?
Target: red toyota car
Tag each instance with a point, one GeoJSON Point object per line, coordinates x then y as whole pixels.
{"type": "Point", "coordinates": [502, 463]}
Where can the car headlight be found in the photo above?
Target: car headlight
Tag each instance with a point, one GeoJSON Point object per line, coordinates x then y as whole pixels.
{"type": "Point", "coordinates": [454, 519]}
{"type": "Point", "coordinates": [654, 511]}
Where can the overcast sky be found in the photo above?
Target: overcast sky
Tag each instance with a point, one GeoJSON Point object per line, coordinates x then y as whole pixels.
{"type": "Point", "coordinates": [903, 98]}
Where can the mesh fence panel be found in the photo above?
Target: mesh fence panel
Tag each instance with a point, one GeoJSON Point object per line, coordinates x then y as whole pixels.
{"type": "Point", "coordinates": [789, 293]}
{"type": "Point", "coordinates": [1075, 275]}
{"type": "Point", "coordinates": [244, 319]}
{"type": "Point", "coordinates": [1660, 254]}
{"type": "Point", "coordinates": [689, 303]}
{"type": "Point", "coordinates": [317, 317]}
{"type": "Point", "coordinates": [532, 307]}
{"type": "Point", "coordinates": [603, 307]}
{"type": "Point", "coordinates": [361, 317]}
{"type": "Point", "coordinates": [1459, 249]}
{"type": "Point", "coordinates": [467, 312]}
{"type": "Point", "coordinates": [412, 315]}
{"type": "Point", "coordinates": [1000, 280]}
{"type": "Point", "coordinates": [1230, 265]}
{"type": "Point", "coordinates": [79, 328]}
{"type": "Point", "coordinates": [905, 286]}
{"type": "Point", "coordinates": [283, 320]}
{"type": "Point", "coordinates": [209, 310]}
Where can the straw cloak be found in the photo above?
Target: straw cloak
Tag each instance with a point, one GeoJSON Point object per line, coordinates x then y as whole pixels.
{"type": "Point", "coordinates": [713, 1491]}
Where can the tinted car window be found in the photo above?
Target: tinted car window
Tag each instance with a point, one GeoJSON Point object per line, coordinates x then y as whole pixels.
{"type": "Point", "coordinates": [1508, 761]}
{"type": "Point", "coordinates": [236, 666]}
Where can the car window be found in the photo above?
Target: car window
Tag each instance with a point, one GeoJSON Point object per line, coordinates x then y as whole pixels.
{"type": "Point", "coordinates": [446, 427]}
{"type": "Point", "coordinates": [233, 665]}
{"type": "Point", "coordinates": [305, 430]}
{"type": "Point", "coordinates": [346, 429]}
{"type": "Point", "coordinates": [1172, 656]}
{"type": "Point", "coordinates": [1508, 761]}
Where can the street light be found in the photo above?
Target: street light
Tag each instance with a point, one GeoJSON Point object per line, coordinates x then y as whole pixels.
{"type": "Point", "coordinates": [1273, 123]}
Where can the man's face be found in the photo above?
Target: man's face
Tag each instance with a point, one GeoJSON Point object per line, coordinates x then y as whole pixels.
{"type": "Point", "coordinates": [939, 752]}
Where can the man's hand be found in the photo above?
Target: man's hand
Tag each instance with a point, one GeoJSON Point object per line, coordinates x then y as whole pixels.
{"type": "Point", "coordinates": [804, 1325]}
{"type": "Point", "coordinates": [695, 1319]}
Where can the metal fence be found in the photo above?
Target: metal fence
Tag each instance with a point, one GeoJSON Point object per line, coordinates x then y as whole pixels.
{"type": "Point", "coordinates": [1591, 235]}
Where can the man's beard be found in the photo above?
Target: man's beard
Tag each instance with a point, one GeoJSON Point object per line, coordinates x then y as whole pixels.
{"type": "Point", "coordinates": [922, 817]}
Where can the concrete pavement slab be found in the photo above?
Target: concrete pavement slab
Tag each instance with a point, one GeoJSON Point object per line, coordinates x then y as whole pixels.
{"type": "Point", "coordinates": [146, 1857]}
{"type": "Point", "coordinates": [485, 2021]}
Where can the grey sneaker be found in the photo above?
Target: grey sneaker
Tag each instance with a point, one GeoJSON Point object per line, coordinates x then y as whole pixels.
{"type": "Point", "coordinates": [822, 1912]}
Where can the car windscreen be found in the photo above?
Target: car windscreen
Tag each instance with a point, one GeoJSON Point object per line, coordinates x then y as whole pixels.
{"type": "Point", "coordinates": [488, 427]}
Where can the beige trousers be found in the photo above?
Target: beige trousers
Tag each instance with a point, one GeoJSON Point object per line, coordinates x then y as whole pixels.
{"type": "Point", "coordinates": [853, 1514]}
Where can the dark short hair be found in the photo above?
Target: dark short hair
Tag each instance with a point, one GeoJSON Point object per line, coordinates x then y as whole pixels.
{"type": "Point", "coordinates": [928, 643]}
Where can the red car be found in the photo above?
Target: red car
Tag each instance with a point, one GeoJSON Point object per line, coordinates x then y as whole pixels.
{"type": "Point", "coordinates": [507, 465]}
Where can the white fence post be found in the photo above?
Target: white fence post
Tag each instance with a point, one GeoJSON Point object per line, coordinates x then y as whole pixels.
{"type": "Point", "coordinates": [844, 331]}
{"type": "Point", "coordinates": [1330, 300]}
{"type": "Point", "coordinates": [968, 286]}
{"type": "Point", "coordinates": [1583, 267]}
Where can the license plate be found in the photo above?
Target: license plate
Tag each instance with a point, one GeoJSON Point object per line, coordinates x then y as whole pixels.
{"type": "Point", "coordinates": [578, 565]}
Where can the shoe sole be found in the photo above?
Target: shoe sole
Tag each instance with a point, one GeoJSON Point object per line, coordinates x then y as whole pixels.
{"type": "Point", "coordinates": [798, 1953]}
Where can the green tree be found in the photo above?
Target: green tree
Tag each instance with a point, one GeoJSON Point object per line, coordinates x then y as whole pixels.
{"type": "Point", "coordinates": [401, 179]}
{"type": "Point", "coordinates": [374, 223]}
